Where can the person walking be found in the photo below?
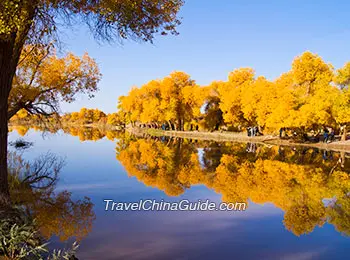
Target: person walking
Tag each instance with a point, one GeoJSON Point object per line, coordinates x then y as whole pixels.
{"type": "Point", "coordinates": [325, 135]}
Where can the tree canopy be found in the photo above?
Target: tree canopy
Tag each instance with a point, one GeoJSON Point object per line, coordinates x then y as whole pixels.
{"type": "Point", "coordinates": [43, 80]}
{"type": "Point", "coordinates": [140, 19]}
{"type": "Point", "coordinates": [311, 96]}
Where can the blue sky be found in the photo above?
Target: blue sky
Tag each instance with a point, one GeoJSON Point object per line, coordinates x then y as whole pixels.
{"type": "Point", "coordinates": [215, 38]}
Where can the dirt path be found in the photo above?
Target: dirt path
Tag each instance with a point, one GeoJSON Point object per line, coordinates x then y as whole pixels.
{"type": "Point", "coordinates": [341, 146]}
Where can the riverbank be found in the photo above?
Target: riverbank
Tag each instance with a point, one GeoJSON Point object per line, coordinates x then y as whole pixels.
{"type": "Point", "coordinates": [341, 146]}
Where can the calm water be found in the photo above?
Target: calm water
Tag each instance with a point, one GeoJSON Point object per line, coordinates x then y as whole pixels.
{"type": "Point", "coordinates": [298, 199]}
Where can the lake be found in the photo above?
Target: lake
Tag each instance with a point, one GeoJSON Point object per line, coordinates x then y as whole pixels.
{"type": "Point", "coordinates": [298, 199]}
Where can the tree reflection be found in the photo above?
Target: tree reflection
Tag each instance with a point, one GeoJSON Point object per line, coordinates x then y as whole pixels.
{"type": "Point", "coordinates": [37, 208]}
{"type": "Point", "coordinates": [32, 187]}
{"type": "Point", "coordinates": [339, 214]}
{"type": "Point", "coordinates": [296, 180]}
{"type": "Point", "coordinates": [84, 133]}
{"type": "Point", "coordinates": [157, 164]}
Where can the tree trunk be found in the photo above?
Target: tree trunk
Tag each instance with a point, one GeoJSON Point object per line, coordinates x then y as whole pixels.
{"type": "Point", "coordinates": [179, 124]}
{"type": "Point", "coordinates": [7, 71]}
{"type": "Point", "coordinates": [4, 189]}
{"type": "Point", "coordinates": [343, 137]}
{"type": "Point", "coordinates": [170, 125]}
{"type": "Point", "coordinates": [10, 51]}
{"type": "Point", "coordinates": [342, 159]}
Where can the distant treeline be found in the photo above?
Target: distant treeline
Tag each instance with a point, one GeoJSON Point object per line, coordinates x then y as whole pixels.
{"type": "Point", "coordinates": [84, 133]}
{"type": "Point", "coordinates": [84, 117]}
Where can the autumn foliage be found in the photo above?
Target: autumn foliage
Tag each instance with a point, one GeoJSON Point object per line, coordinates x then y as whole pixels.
{"type": "Point", "coordinates": [310, 96]}
{"type": "Point", "coordinates": [295, 180]}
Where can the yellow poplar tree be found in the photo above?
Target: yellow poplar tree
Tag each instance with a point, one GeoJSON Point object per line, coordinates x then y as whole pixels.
{"type": "Point", "coordinates": [231, 94]}
{"type": "Point", "coordinates": [341, 106]}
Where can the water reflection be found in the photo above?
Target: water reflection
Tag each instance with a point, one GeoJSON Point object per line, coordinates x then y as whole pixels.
{"type": "Point", "coordinates": [84, 133]}
{"type": "Point", "coordinates": [310, 186]}
{"type": "Point", "coordinates": [37, 212]}
{"type": "Point", "coordinates": [294, 180]}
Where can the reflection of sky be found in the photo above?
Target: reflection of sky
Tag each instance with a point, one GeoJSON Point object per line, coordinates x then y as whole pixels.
{"type": "Point", "coordinates": [92, 170]}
